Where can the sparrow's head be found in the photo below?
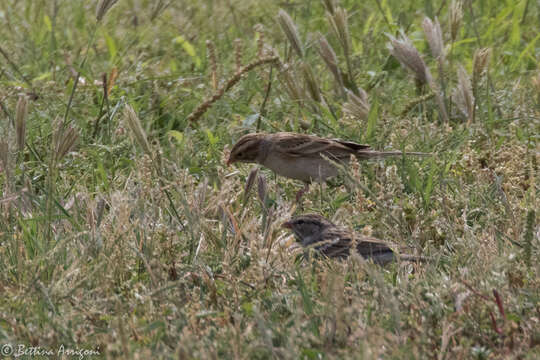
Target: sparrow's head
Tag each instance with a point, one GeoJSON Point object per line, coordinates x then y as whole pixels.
{"type": "Point", "coordinates": [308, 228]}
{"type": "Point", "coordinates": [246, 149]}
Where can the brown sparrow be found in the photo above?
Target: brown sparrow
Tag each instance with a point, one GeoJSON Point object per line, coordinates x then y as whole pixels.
{"type": "Point", "coordinates": [328, 239]}
{"type": "Point", "coordinates": [302, 157]}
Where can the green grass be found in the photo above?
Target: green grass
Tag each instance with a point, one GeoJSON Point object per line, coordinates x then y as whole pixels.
{"type": "Point", "coordinates": [141, 249]}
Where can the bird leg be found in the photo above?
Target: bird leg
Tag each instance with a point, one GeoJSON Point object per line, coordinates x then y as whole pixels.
{"type": "Point", "coordinates": [302, 191]}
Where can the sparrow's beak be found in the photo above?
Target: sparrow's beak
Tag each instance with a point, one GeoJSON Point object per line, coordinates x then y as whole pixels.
{"type": "Point", "coordinates": [287, 225]}
{"type": "Point", "coordinates": [229, 161]}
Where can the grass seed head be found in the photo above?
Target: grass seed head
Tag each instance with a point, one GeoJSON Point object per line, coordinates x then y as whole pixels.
{"type": "Point", "coordinates": [409, 57]}
{"type": "Point", "coordinates": [135, 126]}
{"type": "Point", "coordinates": [290, 30]}
{"type": "Point", "coordinates": [329, 56]}
{"type": "Point", "coordinates": [463, 95]}
{"type": "Point", "coordinates": [456, 15]}
{"type": "Point", "coordinates": [480, 63]}
{"type": "Point", "coordinates": [102, 8]}
{"type": "Point", "coordinates": [312, 86]}
{"type": "Point", "coordinates": [357, 106]}
{"type": "Point", "coordinates": [434, 37]}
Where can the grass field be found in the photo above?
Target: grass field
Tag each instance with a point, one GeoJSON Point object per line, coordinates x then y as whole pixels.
{"type": "Point", "coordinates": [124, 234]}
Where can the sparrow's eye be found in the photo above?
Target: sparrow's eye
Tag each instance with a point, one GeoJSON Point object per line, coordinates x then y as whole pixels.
{"type": "Point", "coordinates": [240, 154]}
{"type": "Point", "coordinates": [301, 222]}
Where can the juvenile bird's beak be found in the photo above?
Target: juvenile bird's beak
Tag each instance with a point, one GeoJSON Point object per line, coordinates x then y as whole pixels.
{"type": "Point", "coordinates": [287, 225]}
{"type": "Point", "coordinates": [229, 161]}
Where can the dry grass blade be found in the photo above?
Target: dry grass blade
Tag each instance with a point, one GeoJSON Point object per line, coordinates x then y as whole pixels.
{"type": "Point", "coordinates": [434, 37]}
{"type": "Point", "coordinates": [4, 153]}
{"type": "Point", "coordinates": [463, 95]}
{"type": "Point", "coordinates": [20, 121]}
{"type": "Point", "coordinates": [409, 57]}
{"type": "Point", "coordinates": [290, 30]}
{"type": "Point", "coordinates": [102, 8]}
{"type": "Point", "coordinates": [357, 106]}
{"type": "Point", "coordinates": [135, 126]}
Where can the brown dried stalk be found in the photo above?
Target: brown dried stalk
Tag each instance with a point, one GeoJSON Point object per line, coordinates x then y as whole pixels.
{"type": "Point", "coordinates": [202, 108]}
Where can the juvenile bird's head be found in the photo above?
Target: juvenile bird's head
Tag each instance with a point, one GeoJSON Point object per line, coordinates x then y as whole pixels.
{"type": "Point", "coordinates": [308, 228]}
{"type": "Point", "coordinates": [246, 149]}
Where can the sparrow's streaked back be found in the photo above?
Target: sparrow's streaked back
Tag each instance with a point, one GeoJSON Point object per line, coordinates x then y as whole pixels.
{"type": "Point", "coordinates": [314, 231]}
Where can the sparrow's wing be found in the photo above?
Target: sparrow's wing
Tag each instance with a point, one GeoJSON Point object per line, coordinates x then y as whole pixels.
{"type": "Point", "coordinates": [335, 243]}
{"type": "Point", "coordinates": [374, 249]}
{"type": "Point", "coordinates": [299, 145]}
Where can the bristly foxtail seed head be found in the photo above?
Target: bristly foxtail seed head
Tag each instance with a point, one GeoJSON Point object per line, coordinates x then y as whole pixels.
{"type": "Point", "coordinates": [259, 29]}
{"type": "Point", "coordinates": [250, 180]}
{"type": "Point", "coordinates": [329, 6]}
{"type": "Point", "coordinates": [262, 188]}
{"type": "Point", "coordinates": [290, 30]}
{"type": "Point", "coordinates": [311, 83]}
{"type": "Point", "coordinates": [357, 106]}
{"type": "Point", "coordinates": [456, 15]}
{"type": "Point", "coordinates": [342, 26]}
{"type": "Point", "coordinates": [238, 53]}
{"type": "Point", "coordinates": [20, 121]}
{"type": "Point", "coordinates": [463, 95]}
{"type": "Point", "coordinates": [291, 84]}
{"type": "Point", "coordinates": [135, 126]}
{"type": "Point", "coordinates": [102, 8]}
{"type": "Point", "coordinates": [64, 139]}
{"type": "Point", "coordinates": [211, 51]}
{"type": "Point", "coordinates": [434, 37]}
{"type": "Point", "coordinates": [480, 62]}
{"type": "Point", "coordinates": [329, 56]}
{"type": "Point", "coordinates": [409, 57]}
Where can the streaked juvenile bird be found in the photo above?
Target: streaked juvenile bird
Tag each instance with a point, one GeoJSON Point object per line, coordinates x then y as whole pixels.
{"type": "Point", "coordinates": [330, 240]}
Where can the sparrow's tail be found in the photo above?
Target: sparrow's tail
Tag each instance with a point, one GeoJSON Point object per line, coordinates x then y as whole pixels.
{"type": "Point", "coordinates": [371, 154]}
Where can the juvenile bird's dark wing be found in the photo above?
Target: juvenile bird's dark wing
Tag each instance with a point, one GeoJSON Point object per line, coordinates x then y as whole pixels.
{"type": "Point", "coordinates": [335, 243]}
{"type": "Point", "coordinates": [374, 249]}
